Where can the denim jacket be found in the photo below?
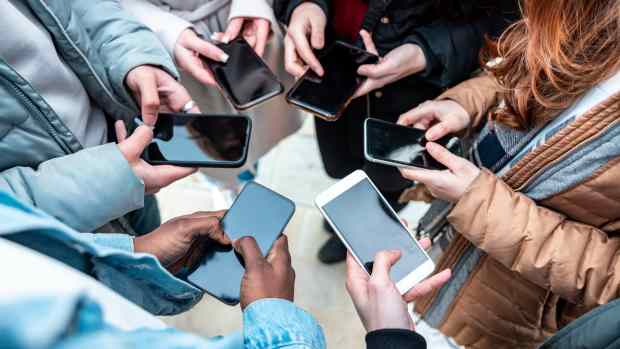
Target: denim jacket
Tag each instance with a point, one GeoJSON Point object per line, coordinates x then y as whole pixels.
{"type": "Point", "coordinates": [268, 323]}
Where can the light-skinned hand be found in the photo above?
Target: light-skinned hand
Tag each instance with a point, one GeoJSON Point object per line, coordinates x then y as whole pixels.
{"type": "Point", "coordinates": [450, 184]}
{"type": "Point", "coordinates": [440, 118]}
{"type": "Point", "coordinates": [254, 30]}
{"type": "Point", "coordinates": [188, 51]}
{"type": "Point", "coordinates": [154, 177]}
{"type": "Point", "coordinates": [306, 33]}
{"type": "Point", "coordinates": [377, 301]}
{"type": "Point", "coordinates": [399, 63]}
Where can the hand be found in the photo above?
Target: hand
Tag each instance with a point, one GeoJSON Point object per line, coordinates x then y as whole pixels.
{"type": "Point", "coordinates": [154, 89]}
{"type": "Point", "coordinates": [171, 243]}
{"type": "Point", "coordinates": [308, 19]}
{"type": "Point", "coordinates": [154, 177]}
{"type": "Point", "coordinates": [270, 277]}
{"type": "Point", "coordinates": [450, 184]}
{"type": "Point", "coordinates": [254, 30]}
{"type": "Point", "coordinates": [188, 51]}
{"type": "Point", "coordinates": [378, 302]}
{"type": "Point", "coordinates": [440, 118]}
{"type": "Point", "coordinates": [399, 63]}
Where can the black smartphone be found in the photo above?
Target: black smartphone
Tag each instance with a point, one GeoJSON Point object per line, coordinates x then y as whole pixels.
{"type": "Point", "coordinates": [395, 145]}
{"type": "Point", "coordinates": [197, 140]}
{"type": "Point", "coordinates": [328, 96]}
{"type": "Point", "coordinates": [245, 79]}
{"type": "Point", "coordinates": [258, 212]}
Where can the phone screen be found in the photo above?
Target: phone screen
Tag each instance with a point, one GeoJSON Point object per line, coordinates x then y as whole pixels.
{"type": "Point", "coordinates": [367, 224]}
{"type": "Point", "coordinates": [328, 95]}
{"type": "Point", "coordinates": [402, 145]}
{"type": "Point", "coordinates": [258, 212]}
{"type": "Point", "coordinates": [245, 79]}
{"type": "Point", "coordinates": [200, 140]}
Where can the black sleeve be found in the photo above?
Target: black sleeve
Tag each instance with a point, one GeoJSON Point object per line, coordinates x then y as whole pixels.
{"type": "Point", "coordinates": [394, 339]}
{"type": "Point", "coordinates": [284, 8]}
{"type": "Point", "coordinates": [452, 47]}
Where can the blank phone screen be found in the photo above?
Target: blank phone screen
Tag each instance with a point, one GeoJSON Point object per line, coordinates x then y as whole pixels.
{"type": "Point", "coordinates": [200, 139]}
{"type": "Point", "coordinates": [402, 145]}
{"type": "Point", "coordinates": [258, 212]}
{"type": "Point", "coordinates": [367, 224]}
{"type": "Point", "coordinates": [328, 94]}
{"type": "Point", "coordinates": [244, 77]}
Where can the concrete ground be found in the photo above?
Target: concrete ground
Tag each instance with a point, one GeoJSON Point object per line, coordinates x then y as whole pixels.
{"type": "Point", "coordinates": [294, 169]}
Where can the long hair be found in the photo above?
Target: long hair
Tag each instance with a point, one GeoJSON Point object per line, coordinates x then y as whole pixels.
{"type": "Point", "coordinates": [556, 53]}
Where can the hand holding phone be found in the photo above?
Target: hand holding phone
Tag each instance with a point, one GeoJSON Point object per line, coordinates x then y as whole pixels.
{"type": "Point", "coordinates": [244, 79]}
{"type": "Point", "coordinates": [327, 96]}
{"type": "Point", "coordinates": [366, 224]}
{"type": "Point", "coordinates": [400, 146]}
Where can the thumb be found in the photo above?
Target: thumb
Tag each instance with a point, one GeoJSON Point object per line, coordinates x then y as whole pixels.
{"type": "Point", "coordinates": [445, 157]}
{"type": "Point", "coordinates": [376, 71]}
{"type": "Point", "coordinates": [317, 35]}
{"type": "Point", "coordinates": [134, 146]}
{"type": "Point", "coordinates": [167, 174]}
{"type": "Point", "coordinates": [383, 263]}
{"type": "Point", "coordinates": [249, 250]}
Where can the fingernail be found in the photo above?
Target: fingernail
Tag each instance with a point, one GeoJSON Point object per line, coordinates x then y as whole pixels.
{"type": "Point", "coordinates": [224, 57]}
{"type": "Point", "coordinates": [226, 39]}
{"type": "Point", "coordinates": [431, 135]}
{"type": "Point", "coordinates": [214, 37]}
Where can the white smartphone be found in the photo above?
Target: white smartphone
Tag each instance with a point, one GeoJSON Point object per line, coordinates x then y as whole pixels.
{"type": "Point", "coordinates": [366, 224]}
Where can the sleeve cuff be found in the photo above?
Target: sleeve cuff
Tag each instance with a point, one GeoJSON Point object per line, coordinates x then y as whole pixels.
{"type": "Point", "coordinates": [259, 9]}
{"type": "Point", "coordinates": [117, 241]}
{"type": "Point", "coordinates": [394, 339]}
{"type": "Point", "coordinates": [277, 323]}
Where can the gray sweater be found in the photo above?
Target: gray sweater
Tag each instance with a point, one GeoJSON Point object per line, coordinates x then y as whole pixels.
{"type": "Point", "coordinates": [27, 46]}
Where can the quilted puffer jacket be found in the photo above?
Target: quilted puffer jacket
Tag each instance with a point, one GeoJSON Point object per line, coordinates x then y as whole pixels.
{"type": "Point", "coordinates": [538, 246]}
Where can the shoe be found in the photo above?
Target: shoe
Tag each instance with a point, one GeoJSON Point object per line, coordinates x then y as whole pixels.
{"type": "Point", "coordinates": [333, 251]}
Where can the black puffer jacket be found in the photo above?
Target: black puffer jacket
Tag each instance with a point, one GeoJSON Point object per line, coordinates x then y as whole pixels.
{"type": "Point", "coordinates": [450, 32]}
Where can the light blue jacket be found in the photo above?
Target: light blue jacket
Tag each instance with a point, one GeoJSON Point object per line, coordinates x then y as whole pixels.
{"type": "Point", "coordinates": [82, 188]}
{"type": "Point", "coordinates": [76, 322]}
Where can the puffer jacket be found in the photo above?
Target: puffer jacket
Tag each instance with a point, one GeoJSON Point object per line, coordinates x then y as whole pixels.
{"type": "Point", "coordinates": [41, 161]}
{"type": "Point", "coordinates": [539, 246]}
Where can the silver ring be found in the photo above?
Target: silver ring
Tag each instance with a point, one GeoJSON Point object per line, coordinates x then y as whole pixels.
{"type": "Point", "coordinates": [188, 106]}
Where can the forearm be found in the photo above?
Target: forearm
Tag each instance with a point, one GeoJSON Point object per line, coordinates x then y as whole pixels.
{"type": "Point", "coordinates": [573, 260]}
{"type": "Point", "coordinates": [84, 190]}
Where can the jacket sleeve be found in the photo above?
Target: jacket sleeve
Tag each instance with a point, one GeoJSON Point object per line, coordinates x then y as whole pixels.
{"type": "Point", "coordinates": [78, 189]}
{"type": "Point", "coordinates": [452, 47]}
{"type": "Point", "coordinates": [578, 262]}
{"type": "Point", "coordinates": [256, 8]}
{"type": "Point", "coordinates": [394, 339]}
{"type": "Point", "coordinates": [284, 8]}
{"type": "Point", "coordinates": [121, 41]}
{"type": "Point", "coordinates": [165, 25]}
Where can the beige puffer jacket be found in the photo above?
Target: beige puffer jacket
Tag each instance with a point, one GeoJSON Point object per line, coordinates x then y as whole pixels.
{"type": "Point", "coordinates": [547, 262]}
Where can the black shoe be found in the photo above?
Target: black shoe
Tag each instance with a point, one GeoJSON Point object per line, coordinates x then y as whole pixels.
{"type": "Point", "coordinates": [333, 251]}
{"type": "Point", "coordinates": [328, 228]}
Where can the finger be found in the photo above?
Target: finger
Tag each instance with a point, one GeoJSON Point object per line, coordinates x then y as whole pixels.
{"type": "Point", "coordinates": [291, 60]}
{"type": "Point", "coordinates": [317, 34]}
{"type": "Point", "coordinates": [366, 87]}
{"type": "Point", "coordinates": [440, 130]}
{"type": "Point", "coordinates": [138, 141]}
{"type": "Point", "coordinates": [217, 37]}
{"type": "Point", "coordinates": [205, 214]}
{"type": "Point", "coordinates": [201, 74]}
{"type": "Point", "coordinates": [420, 175]}
{"type": "Point", "coordinates": [368, 42]}
{"type": "Point", "coordinates": [305, 52]}
{"type": "Point", "coordinates": [279, 255]}
{"type": "Point", "coordinates": [233, 29]}
{"type": "Point", "coordinates": [206, 227]}
{"type": "Point", "coordinates": [445, 157]}
{"type": "Point", "coordinates": [384, 69]}
{"type": "Point", "coordinates": [357, 278]}
{"type": "Point", "coordinates": [423, 111]}
{"type": "Point", "coordinates": [262, 35]}
{"type": "Point", "coordinates": [354, 269]}
{"type": "Point", "coordinates": [149, 98]}
{"type": "Point", "coordinates": [383, 263]}
{"type": "Point", "coordinates": [167, 174]}
{"type": "Point", "coordinates": [425, 243]}
{"type": "Point", "coordinates": [208, 50]}
{"type": "Point", "coordinates": [249, 250]}
{"type": "Point", "coordinates": [121, 131]}
{"type": "Point", "coordinates": [427, 286]}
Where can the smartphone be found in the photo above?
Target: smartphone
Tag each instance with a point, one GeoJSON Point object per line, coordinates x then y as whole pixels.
{"type": "Point", "coordinates": [245, 80]}
{"type": "Point", "coordinates": [198, 140]}
{"type": "Point", "coordinates": [258, 212]}
{"type": "Point", "coordinates": [400, 146]}
{"type": "Point", "coordinates": [328, 96]}
{"type": "Point", "coordinates": [366, 224]}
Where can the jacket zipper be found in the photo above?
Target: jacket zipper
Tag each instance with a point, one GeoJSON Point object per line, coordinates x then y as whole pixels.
{"type": "Point", "coordinates": [86, 61]}
{"type": "Point", "coordinates": [34, 110]}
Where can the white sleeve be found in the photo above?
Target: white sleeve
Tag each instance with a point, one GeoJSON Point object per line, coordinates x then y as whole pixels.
{"type": "Point", "coordinates": [253, 8]}
{"type": "Point", "coordinates": [167, 26]}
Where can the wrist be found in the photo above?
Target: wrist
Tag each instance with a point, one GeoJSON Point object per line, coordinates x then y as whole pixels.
{"type": "Point", "coordinates": [418, 59]}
